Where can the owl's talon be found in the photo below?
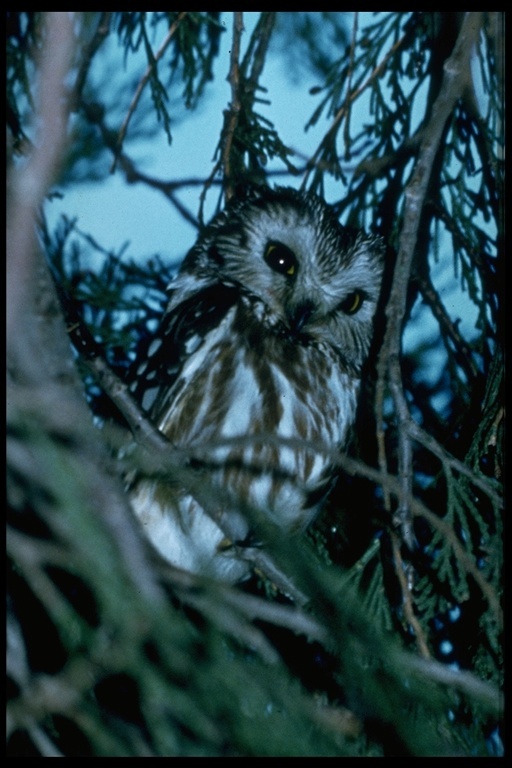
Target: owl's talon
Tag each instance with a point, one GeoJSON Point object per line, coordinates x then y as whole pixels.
{"type": "Point", "coordinates": [249, 542]}
{"type": "Point", "coordinates": [224, 544]}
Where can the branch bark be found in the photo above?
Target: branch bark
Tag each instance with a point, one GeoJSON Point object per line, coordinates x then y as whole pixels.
{"type": "Point", "coordinates": [232, 115]}
{"type": "Point", "coordinates": [454, 84]}
{"type": "Point", "coordinates": [44, 390]}
{"type": "Point", "coordinates": [27, 186]}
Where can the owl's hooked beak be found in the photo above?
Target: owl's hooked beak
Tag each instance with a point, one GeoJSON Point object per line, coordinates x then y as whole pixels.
{"type": "Point", "coordinates": [299, 315]}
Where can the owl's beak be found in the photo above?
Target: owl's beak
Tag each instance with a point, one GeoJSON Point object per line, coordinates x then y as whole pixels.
{"type": "Point", "coordinates": [299, 315]}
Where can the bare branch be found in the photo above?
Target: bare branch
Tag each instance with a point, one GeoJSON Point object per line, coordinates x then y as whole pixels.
{"type": "Point", "coordinates": [133, 176]}
{"type": "Point", "coordinates": [29, 183]}
{"type": "Point", "coordinates": [198, 591]}
{"type": "Point", "coordinates": [455, 80]}
{"type": "Point", "coordinates": [254, 59]}
{"type": "Point", "coordinates": [143, 430]}
{"type": "Point", "coordinates": [232, 114]}
{"type": "Point", "coordinates": [50, 401]}
{"type": "Point", "coordinates": [456, 71]}
{"type": "Point", "coordinates": [449, 461]}
{"type": "Point", "coordinates": [458, 679]}
{"type": "Point", "coordinates": [346, 133]}
{"type": "Point", "coordinates": [167, 457]}
{"type": "Point", "coordinates": [404, 576]}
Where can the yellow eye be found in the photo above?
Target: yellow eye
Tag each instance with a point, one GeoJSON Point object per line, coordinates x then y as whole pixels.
{"type": "Point", "coordinates": [280, 258]}
{"type": "Point", "coordinates": [352, 303]}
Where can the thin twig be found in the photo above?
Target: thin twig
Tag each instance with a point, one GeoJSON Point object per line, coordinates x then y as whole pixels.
{"type": "Point", "coordinates": [231, 116]}
{"type": "Point", "coordinates": [458, 679]}
{"type": "Point", "coordinates": [402, 571]}
{"type": "Point", "coordinates": [88, 51]}
{"type": "Point", "coordinates": [418, 433]}
{"type": "Point", "coordinates": [330, 135]}
{"type": "Point", "coordinates": [143, 430]}
{"type": "Point", "coordinates": [346, 132]}
{"type": "Point", "coordinates": [376, 166]}
{"type": "Point", "coordinates": [255, 56]}
{"type": "Point", "coordinates": [190, 586]}
{"type": "Point", "coordinates": [402, 517]}
{"type": "Point", "coordinates": [478, 256]}
{"type": "Point", "coordinates": [133, 176]}
{"type": "Point", "coordinates": [449, 329]}
{"type": "Point", "coordinates": [244, 80]}
{"type": "Point", "coordinates": [145, 78]}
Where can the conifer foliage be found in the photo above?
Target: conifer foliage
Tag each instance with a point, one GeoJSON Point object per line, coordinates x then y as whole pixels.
{"type": "Point", "coordinates": [380, 631]}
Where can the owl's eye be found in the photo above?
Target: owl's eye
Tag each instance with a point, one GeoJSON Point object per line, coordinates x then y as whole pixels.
{"type": "Point", "coordinates": [280, 258]}
{"type": "Point", "coordinates": [352, 303]}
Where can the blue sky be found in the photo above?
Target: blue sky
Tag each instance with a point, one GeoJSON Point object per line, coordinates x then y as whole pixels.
{"type": "Point", "coordinates": [116, 213]}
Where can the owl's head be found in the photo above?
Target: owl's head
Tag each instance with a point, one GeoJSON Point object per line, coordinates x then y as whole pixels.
{"type": "Point", "coordinates": [318, 279]}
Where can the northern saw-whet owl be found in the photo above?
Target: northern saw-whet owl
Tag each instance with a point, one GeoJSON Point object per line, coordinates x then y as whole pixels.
{"type": "Point", "coordinates": [267, 327]}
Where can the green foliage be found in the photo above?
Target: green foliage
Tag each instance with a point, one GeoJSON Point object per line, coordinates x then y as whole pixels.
{"type": "Point", "coordinates": [113, 653]}
{"type": "Point", "coordinates": [194, 48]}
{"type": "Point", "coordinates": [135, 663]}
{"type": "Point", "coordinates": [309, 40]}
{"type": "Point", "coordinates": [254, 141]}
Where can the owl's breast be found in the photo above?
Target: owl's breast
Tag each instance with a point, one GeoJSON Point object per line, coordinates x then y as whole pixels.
{"type": "Point", "coordinates": [263, 417]}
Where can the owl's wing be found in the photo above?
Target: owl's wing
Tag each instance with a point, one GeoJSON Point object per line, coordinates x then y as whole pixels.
{"type": "Point", "coordinates": [180, 334]}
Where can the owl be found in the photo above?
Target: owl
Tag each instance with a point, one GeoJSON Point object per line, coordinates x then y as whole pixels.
{"type": "Point", "coordinates": [254, 372]}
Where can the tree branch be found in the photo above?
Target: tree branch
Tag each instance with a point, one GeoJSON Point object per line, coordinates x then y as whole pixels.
{"type": "Point", "coordinates": [174, 462]}
{"type": "Point", "coordinates": [142, 84]}
{"type": "Point", "coordinates": [455, 79]}
{"type": "Point", "coordinates": [232, 115]}
{"type": "Point", "coordinates": [88, 51]}
{"type": "Point", "coordinates": [170, 458]}
{"type": "Point", "coordinates": [343, 112]}
{"type": "Point", "coordinates": [449, 331]}
{"type": "Point", "coordinates": [28, 184]}
{"type": "Point", "coordinates": [403, 574]}
{"type": "Point", "coordinates": [44, 390]}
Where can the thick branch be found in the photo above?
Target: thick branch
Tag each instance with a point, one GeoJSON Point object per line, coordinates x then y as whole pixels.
{"type": "Point", "coordinates": [455, 79]}
{"type": "Point", "coordinates": [29, 183]}
{"type": "Point", "coordinates": [44, 391]}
